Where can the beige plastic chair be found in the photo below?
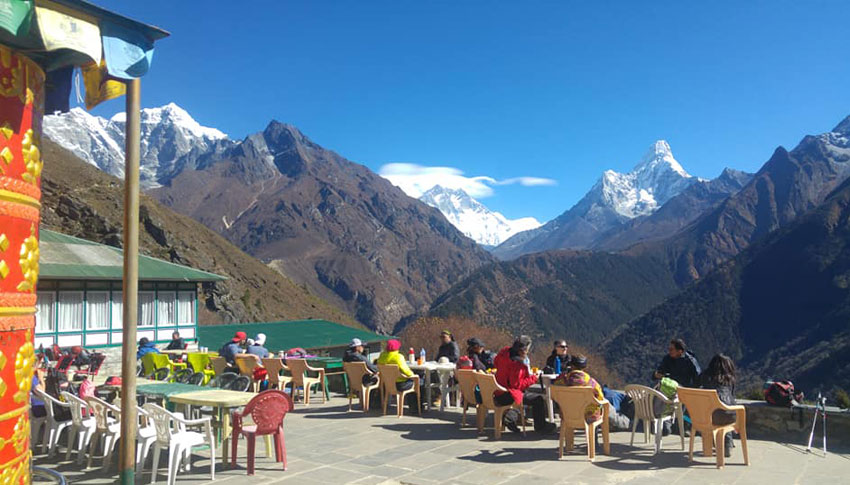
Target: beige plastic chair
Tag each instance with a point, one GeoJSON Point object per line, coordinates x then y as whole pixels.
{"type": "Point", "coordinates": [466, 383]}
{"type": "Point", "coordinates": [388, 375]}
{"type": "Point", "coordinates": [246, 363]}
{"type": "Point", "coordinates": [644, 399]}
{"type": "Point", "coordinates": [276, 379]}
{"type": "Point", "coordinates": [355, 372]}
{"type": "Point", "coordinates": [219, 365]}
{"type": "Point", "coordinates": [701, 403]}
{"type": "Point", "coordinates": [572, 401]}
{"type": "Point", "coordinates": [299, 369]}
{"type": "Point", "coordinates": [487, 385]}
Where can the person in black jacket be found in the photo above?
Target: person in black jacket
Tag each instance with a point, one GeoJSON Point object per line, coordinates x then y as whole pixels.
{"type": "Point", "coordinates": [560, 352]}
{"type": "Point", "coordinates": [720, 376]}
{"type": "Point", "coordinates": [679, 365]}
{"type": "Point", "coordinates": [449, 348]}
{"type": "Point", "coordinates": [354, 353]}
{"type": "Point", "coordinates": [176, 343]}
{"type": "Point", "coordinates": [481, 359]}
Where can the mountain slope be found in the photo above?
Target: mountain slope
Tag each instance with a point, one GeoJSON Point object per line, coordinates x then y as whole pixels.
{"type": "Point", "coordinates": [615, 199]}
{"type": "Point", "coordinates": [788, 185]}
{"type": "Point", "coordinates": [168, 135]}
{"type": "Point", "coordinates": [676, 214]}
{"type": "Point", "coordinates": [82, 201]}
{"type": "Point", "coordinates": [560, 294]}
{"type": "Point", "coordinates": [781, 308]}
{"type": "Point", "coordinates": [473, 219]}
{"type": "Point", "coordinates": [331, 224]}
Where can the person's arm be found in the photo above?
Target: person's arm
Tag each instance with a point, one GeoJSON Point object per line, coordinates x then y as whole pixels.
{"type": "Point", "coordinates": [662, 368]}
{"type": "Point", "coordinates": [525, 379]}
{"type": "Point", "coordinates": [402, 365]}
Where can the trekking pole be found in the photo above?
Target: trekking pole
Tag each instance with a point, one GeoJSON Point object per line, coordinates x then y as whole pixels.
{"type": "Point", "coordinates": [823, 410]}
{"type": "Point", "coordinates": [814, 423]}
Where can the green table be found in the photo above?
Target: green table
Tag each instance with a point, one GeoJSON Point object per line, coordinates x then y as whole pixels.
{"type": "Point", "coordinates": [332, 366]}
{"type": "Point", "coordinates": [162, 390]}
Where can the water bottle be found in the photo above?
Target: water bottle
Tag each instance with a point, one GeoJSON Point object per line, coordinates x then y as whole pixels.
{"type": "Point", "coordinates": [410, 357]}
{"type": "Point", "coordinates": [557, 364]}
{"type": "Point", "coordinates": [422, 355]}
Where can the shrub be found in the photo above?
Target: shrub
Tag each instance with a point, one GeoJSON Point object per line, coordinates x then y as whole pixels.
{"type": "Point", "coordinates": [842, 399]}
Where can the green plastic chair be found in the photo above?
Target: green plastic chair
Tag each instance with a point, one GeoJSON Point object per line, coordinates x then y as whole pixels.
{"type": "Point", "coordinates": [152, 361]}
{"type": "Point", "coordinates": [201, 363]}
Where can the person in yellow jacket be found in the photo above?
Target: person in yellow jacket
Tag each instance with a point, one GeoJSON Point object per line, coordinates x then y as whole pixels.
{"type": "Point", "coordinates": [392, 356]}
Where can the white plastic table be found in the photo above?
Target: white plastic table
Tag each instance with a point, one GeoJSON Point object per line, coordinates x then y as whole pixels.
{"type": "Point", "coordinates": [445, 372]}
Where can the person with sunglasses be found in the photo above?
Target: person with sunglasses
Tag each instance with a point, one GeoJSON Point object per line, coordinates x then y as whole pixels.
{"type": "Point", "coordinates": [558, 361]}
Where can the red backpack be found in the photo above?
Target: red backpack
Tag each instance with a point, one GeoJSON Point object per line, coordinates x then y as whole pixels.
{"type": "Point", "coordinates": [782, 393]}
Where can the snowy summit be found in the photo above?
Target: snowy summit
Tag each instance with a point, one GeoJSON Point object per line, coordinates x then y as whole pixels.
{"type": "Point", "coordinates": [168, 133]}
{"type": "Point", "coordinates": [472, 218]}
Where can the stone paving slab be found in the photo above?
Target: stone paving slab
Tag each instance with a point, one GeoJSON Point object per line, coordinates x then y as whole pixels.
{"type": "Point", "coordinates": [328, 445]}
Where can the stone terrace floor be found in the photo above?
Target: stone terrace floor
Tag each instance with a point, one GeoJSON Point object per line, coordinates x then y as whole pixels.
{"type": "Point", "coordinates": [327, 445]}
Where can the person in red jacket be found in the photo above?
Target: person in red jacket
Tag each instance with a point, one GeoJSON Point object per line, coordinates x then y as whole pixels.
{"type": "Point", "coordinates": [513, 373]}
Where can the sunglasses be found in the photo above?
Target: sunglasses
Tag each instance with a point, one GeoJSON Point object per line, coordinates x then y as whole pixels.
{"type": "Point", "coordinates": [563, 347]}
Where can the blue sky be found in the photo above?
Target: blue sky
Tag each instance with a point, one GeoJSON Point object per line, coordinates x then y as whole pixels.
{"type": "Point", "coordinates": [557, 90]}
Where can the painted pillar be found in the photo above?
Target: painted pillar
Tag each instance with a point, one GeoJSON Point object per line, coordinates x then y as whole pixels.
{"type": "Point", "coordinates": [21, 112]}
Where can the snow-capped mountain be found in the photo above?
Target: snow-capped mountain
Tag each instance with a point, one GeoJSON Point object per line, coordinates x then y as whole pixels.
{"type": "Point", "coordinates": [472, 218]}
{"type": "Point", "coordinates": [168, 134]}
{"type": "Point", "coordinates": [615, 199]}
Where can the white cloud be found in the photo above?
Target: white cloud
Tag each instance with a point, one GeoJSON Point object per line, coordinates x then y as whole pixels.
{"type": "Point", "coordinates": [415, 180]}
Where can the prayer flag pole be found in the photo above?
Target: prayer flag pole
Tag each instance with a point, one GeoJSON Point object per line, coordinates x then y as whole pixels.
{"type": "Point", "coordinates": [127, 455]}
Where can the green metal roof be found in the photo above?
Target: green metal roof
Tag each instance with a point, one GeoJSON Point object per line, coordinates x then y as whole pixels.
{"type": "Point", "coordinates": [307, 334]}
{"type": "Point", "coordinates": [70, 258]}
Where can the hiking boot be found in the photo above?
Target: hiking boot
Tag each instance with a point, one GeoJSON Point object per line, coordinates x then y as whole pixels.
{"type": "Point", "coordinates": [511, 425]}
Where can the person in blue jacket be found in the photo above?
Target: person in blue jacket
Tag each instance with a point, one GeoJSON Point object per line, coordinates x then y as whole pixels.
{"type": "Point", "coordinates": [146, 347]}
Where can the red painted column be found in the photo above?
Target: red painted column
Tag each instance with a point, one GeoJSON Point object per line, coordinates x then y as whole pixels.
{"type": "Point", "coordinates": [21, 112]}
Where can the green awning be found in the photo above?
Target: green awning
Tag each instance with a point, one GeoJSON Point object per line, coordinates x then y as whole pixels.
{"type": "Point", "coordinates": [307, 334]}
{"type": "Point", "coordinates": [66, 257]}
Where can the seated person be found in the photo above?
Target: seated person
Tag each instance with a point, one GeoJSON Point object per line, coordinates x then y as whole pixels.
{"type": "Point", "coordinates": [481, 360]}
{"type": "Point", "coordinates": [448, 348]}
{"type": "Point", "coordinates": [392, 356]}
{"type": "Point", "coordinates": [513, 374]}
{"type": "Point", "coordinates": [579, 377]}
{"type": "Point", "coordinates": [146, 347]}
{"type": "Point", "coordinates": [176, 343]}
{"type": "Point", "coordinates": [256, 346]}
{"type": "Point", "coordinates": [720, 376]}
{"type": "Point", "coordinates": [354, 353]}
{"type": "Point", "coordinates": [558, 361]}
{"type": "Point", "coordinates": [679, 365]}
{"type": "Point", "coordinates": [229, 350]}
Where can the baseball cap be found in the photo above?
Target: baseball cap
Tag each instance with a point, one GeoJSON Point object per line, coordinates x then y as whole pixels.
{"type": "Point", "coordinates": [240, 336]}
{"type": "Point", "coordinates": [355, 342]}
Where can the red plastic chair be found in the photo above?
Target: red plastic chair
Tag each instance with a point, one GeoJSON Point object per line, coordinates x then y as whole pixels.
{"type": "Point", "coordinates": [267, 410]}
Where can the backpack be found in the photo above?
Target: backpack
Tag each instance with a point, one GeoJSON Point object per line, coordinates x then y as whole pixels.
{"type": "Point", "coordinates": [782, 393]}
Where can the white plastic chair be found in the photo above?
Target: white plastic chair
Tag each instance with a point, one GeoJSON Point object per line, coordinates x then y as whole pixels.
{"type": "Point", "coordinates": [644, 399]}
{"type": "Point", "coordinates": [52, 427]}
{"type": "Point", "coordinates": [171, 433]}
{"type": "Point", "coordinates": [107, 429]}
{"type": "Point", "coordinates": [82, 426]}
{"type": "Point", "coordinates": [145, 437]}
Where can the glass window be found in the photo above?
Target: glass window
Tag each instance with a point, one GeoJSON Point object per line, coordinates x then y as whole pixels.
{"type": "Point", "coordinates": [186, 307]}
{"type": "Point", "coordinates": [97, 310]}
{"type": "Point", "coordinates": [45, 312]}
{"type": "Point", "coordinates": [70, 311]}
{"type": "Point", "coordinates": [117, 309]}
{"type": "Point", "coordinates": [167, 308]}
{"type": "Point", "coordinates": [146, 309]}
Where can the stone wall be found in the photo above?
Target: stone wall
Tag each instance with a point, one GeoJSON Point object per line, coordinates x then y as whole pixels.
{"type": "Point", "coordinates": [793, 425]}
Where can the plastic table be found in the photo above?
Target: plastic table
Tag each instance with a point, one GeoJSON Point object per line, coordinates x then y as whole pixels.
{"type": "Point", "coordinates": [547, 379]}
{"type": "Point", "coordinates": [223, 401]}
{"type": "Point", "coordinates": [445, 372]}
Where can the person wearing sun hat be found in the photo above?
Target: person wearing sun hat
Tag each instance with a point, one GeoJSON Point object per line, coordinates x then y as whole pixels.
{"type": "Point", "coordinates": [233, 347]}
{"type": "Point", "coordinates": [257, 346]}
{"type": "Point", "coordinates": [354, 353]}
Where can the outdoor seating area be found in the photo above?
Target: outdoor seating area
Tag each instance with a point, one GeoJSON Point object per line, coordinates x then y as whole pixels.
{"type": "Point", "coordinates": [325, 443]}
